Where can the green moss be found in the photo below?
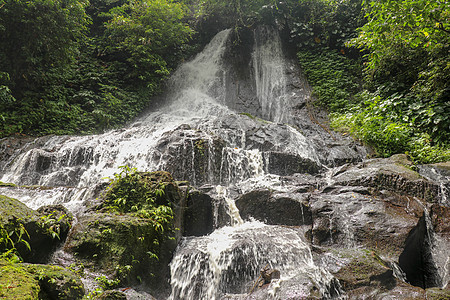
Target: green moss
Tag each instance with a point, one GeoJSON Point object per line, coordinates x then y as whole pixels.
{"type": "Point", "coordinates": [16, 282]}
{"type": "Point", "coordinates": [7, 184]}
{"type": "Point", "coordinates": [57, 282]}
{"type": "Point", "coordinates": [22, 282]}
{"type": "Point", "coordinates": [248, 115]}
{"type": "Point", "coordinates": [11, 207]}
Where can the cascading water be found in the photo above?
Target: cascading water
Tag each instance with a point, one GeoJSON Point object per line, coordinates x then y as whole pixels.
{"type": "Point", "coordinates": [229, 259]}
{"type": "Point", "coordinates": [269, 69]}
{"type": "Point", "coordinates": [198, 138]}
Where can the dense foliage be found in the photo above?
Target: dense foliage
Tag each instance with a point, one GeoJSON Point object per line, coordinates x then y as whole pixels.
{"type": "Point", "coordinates": [73, 66]}
{"type": "Point", "coordinates": [402, 103]}
{"type": "Point", "coordinates": [70, 66]}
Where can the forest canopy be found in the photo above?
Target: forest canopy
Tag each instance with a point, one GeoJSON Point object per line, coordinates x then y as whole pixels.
{"type": "Point", "coordinates": [381, 68]}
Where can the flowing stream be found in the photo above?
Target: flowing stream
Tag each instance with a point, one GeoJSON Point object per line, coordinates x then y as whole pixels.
{"type": "Point", "coordinates": [198, 138]}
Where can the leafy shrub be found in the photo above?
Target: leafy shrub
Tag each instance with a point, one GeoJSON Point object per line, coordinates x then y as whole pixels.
{"type": "Point", "coordinates": [378, 123]}
{"type": "Point", "coordinates": [335, 78]}
{"type": "Point", "coordinates": [132, 192]}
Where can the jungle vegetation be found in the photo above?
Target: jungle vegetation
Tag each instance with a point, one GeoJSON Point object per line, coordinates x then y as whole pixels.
{"type": "Point", "coordinates": [380, 68]}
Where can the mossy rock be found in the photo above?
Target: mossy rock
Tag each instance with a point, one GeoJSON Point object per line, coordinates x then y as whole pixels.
{"type": "Point", "coordinates": [365, 268]}
{"type": "Point", "coordinates": [45, 228]}
{"type": "Point", "coordinates": [17, 283]}
{"type": "Point", "coordinates": [393, 174]}
{"type": "Point", "coordinates": [438, 294]}
{"type": "Point", "coordinates": [112, 295]}
{"type": "Point", "coordinates": [7, 184]}
{"type": "Point", "coordinates": [56, 282]}
{"type": "Point", "coordinates": [12, 209]}
{"type": "Point", "coordinates": [23, 281]}
{"type": "Point", "coordinates": [126, 245]}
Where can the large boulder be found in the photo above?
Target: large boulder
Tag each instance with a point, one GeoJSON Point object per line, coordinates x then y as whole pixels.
{"type": "Point", "coordinates": [275, 208]}
{"type": "Point", "coordinates": [130, 247]}
{"type": "Point", "coordinates": [363, 272]}
{"type": "Point", "coordinates": [22, 281]}
{"type": "Point", "coordinates": [36, 234]}
{"type": "Point", "coordinates": [352, 216]}
{"type": "Point", "coordinates": [395, 174]}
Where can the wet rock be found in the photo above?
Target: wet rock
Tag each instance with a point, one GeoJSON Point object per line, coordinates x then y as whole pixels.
{"type": "Point", "coordinates": [198, 215]}
{"type": "Point", "coordinates": [437, 294]}
{"type": "Point", "coordinates": [275, 208]}
{"type": "Point", "coordinates": [112, 295]}
{"type": "Point", "coordinates": [191, 155]}
{"type": "Point", "coordinates": [393, 174]}
{"type": "Point", "coordinates": [284, 164]}
{"type": "Point", "coordinates": [365, 269]}
{"type": "Point", "coordinates": [417, 260]}
{"type": "Point", "coordinates": [10, 146]}
{"type": "Point", "coordinates": [363, 272]}
{"type": "Point", "coordinates": [439, 173]}
{"type": "Point", "coordinates": [267, 275]}
{"type": "Point", "coordinates": [347, 218]}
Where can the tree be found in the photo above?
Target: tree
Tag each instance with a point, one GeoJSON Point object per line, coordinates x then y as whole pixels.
{"type": "Point", "coordinates": [407, 44]}
{"type": "Point", "coordinates": [149, 36]}
{"type": "Point", "coordinates": [38, 35]}
{"type": "Point", "coordinates": [406, 23]}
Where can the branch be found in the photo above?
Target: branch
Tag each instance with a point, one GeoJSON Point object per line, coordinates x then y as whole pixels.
{"type": "Point", "coordinates": [441, 26]}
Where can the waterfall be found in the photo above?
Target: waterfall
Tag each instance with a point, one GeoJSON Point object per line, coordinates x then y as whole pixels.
{"type": "Point", "coordinates": [196, 137]}
{"type": "Point", "coordinates": [229, 261]}
{"type": "Point", "coordinates": [269, 69]}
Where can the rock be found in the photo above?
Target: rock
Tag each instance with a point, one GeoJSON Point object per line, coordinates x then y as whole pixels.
{"type": "Point", "coordinates": [199, 214]}
{"type": "Point", "coordinates": [267, 275]}
{"type": "Point", "coordinates": [124, 246]}
{"type": "Point", "coordinates": [57, 283]}
{"type": "Point", "coordinates": [275, 208]}
{"type": "Point", "coordinates": [363, 272]}
{"type": "Point", "coordinates": [393, 174]}
{"type": "Point", "coordinates": [284, 164]}
{"type": "Point", "coordinates": [21, 281]}
{"type": "Point", "coordinates": [45, 228]}
{"type": "Point", "coordinates": [417, 260]}
{"type": "Point", "coordinates": [199, 152]}
{"type": "Point", "coordinates": [347, 218]}
{"type": "Point", "coordinates": [16, 283]}
{"type": "Point", "coordinates": [365, 269]}
{"type": "Point", "coordinates": [437, 294]}
{"type": "Point", "coordinates": [112, 295]}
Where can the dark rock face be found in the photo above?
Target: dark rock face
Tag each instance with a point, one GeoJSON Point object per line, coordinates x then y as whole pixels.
{"type": "Point", "coordinates": [416, 260]}
{"type": "Point", "coordinates": [199, 214]}
{"type": "Point", "coordinates": [274, 209]}
{"type": "Point", "coordinates": [287, 164]}
{"type": "Point", "coordinates": [191, 155]}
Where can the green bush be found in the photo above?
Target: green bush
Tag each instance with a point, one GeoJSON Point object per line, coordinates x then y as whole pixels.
{"type": "Point", "coordinates": [334, 78]}
{"type": "Point", "coordinates": [134, 192]}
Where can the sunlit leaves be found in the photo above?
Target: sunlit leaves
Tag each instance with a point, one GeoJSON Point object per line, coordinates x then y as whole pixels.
{"type": "Point", "coordinates": [150, 35]}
